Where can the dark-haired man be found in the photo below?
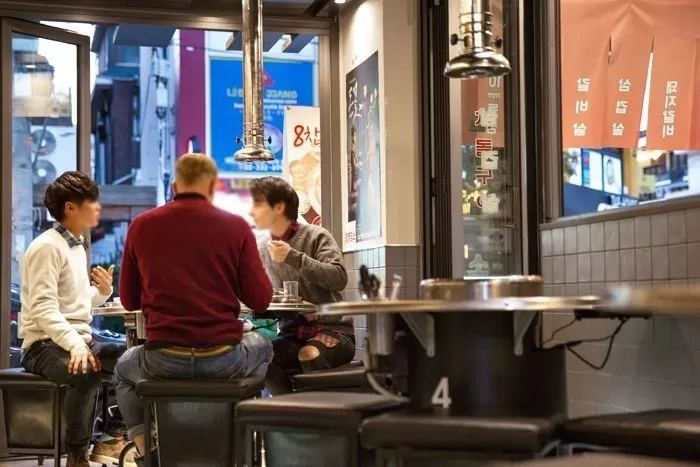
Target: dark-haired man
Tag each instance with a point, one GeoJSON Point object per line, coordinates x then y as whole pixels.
{"type": "Point", "coordinates": [57, 299]}
{"type": "Point", "coordinates": [309, 255]}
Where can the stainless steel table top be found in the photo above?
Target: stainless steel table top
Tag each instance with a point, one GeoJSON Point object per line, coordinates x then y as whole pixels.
{"type": "Point", "coordinates": [443, 306]}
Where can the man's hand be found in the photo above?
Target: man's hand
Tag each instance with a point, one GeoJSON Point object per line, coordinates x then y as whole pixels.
{"type": "Point", "coordinates": [279, 250]}
{"type": "Point", "coordinates": [79, 359]}
{"type": "Point", "coordinates": [102, 279]}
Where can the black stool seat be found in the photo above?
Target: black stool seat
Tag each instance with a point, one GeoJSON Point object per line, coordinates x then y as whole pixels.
{"type": "Point", "coordinates": [19, 377]}
{"type": "Point", "coordinates": [228, 389]}
{"type": "Point", "coordinates": [315, 410]}
{"type": "Point", "coordinates": [32, 411]}
{"type": "Point", "coordinates": [346, 376]}
{"type": "Point", "coordinates": [433, 432]}
{"type": "Point", "coordinates": [662, 432]}
{"type": "Point", "coordinates": [603, 460]}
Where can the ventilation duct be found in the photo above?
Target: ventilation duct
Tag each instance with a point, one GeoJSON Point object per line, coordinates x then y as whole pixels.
{"type": "Point", "coordinates": [479, 58]}
{"type": "Point", "coordinates": [254, 149]}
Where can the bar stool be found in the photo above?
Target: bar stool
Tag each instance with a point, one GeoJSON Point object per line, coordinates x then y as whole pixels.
{"type": "Point", "coordinates": [33, 414]}
{"type": "Point", "coordinates": [319, 427]}
{"type": "Point", "coordinates": [195, 419]}
{"type": "Point", "coordinates": [402, 436]}
{"type": "Point", "coordinates": [602, 460]}
{"type": "Point", "coordinates": [661, 433]}
{"type": "Point", "coordinates": [346, 378]}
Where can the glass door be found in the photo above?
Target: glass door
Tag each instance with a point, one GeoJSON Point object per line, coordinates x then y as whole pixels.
{"type": "Point", "coordinates": [44, 131]}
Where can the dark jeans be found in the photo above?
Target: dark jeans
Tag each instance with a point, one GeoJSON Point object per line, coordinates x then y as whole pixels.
{"type": "Point", "coordinates": [50, 361]}
{"type": "Point", "coordinates": [286, 359]}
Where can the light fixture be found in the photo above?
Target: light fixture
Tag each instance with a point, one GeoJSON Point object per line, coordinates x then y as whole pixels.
{"type": "Point", "coordinates": [340, 2]}
{"type": "Point", "coordinates": [479, 58]}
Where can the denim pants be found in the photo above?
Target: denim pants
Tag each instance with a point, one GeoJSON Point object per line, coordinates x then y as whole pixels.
{"type": "Point", "coordinates": [50, 361]}
{"type": "Point", "coordinates": [249, 358]}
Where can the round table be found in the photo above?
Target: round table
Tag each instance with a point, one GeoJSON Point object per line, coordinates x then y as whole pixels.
{"type": "Point", "coordinates": [282, 311]}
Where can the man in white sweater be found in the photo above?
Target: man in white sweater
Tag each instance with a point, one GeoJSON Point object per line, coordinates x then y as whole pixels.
{"type": "Point", "coordinates": [57, 299]}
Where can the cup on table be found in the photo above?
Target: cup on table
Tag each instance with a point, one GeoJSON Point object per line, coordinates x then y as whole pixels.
{"type": "Point", "coordinates": [291, 291]}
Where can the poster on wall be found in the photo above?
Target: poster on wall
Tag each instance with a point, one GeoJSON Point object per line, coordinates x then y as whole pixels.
{"type": "Point", "coordinates": [364, 178]}
{"type": "Point", "coordinates": [285, 82]}
{"type": "Point", "coordinates": [302, 159]}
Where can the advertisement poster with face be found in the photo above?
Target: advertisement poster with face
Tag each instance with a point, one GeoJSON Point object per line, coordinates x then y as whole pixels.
{"type": "Point", "coordinates": [302, 159]}
{"type": "Point", "coordinates": [612, 175]}
{"type": "Point", "coordinates": [364, 199]}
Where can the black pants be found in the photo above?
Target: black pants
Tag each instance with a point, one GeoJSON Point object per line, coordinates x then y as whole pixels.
{"type": "Point", "coordinates": [285, 362]}
{"type": "Point", "coordinates": [50, 361]}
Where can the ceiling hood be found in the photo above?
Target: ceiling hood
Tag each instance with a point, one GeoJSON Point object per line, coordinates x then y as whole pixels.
{"type": "Point", "coordinates": [478, 58]}
{"type": "Point", "coordinates": [254, 149]}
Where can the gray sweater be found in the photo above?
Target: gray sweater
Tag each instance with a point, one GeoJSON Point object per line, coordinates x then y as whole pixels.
{"type": "Point", "coordinates": [316, 263]}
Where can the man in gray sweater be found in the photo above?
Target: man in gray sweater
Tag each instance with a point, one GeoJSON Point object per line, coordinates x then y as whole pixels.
{"type": "Point", "coordinates": [309, 255]}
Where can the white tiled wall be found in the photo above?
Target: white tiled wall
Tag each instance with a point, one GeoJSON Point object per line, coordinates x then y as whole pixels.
{"type": "Point", "coordinates": [654, 363]}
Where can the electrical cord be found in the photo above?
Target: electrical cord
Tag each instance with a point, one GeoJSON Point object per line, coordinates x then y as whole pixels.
{"type": "Point", "coordinates": [569, 346]}
{"type": "Point", "coordinates": [558, 330]}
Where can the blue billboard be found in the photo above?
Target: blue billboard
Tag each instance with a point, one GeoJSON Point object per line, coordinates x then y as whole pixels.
{"type": "Point", "coordinates": [285, 83]}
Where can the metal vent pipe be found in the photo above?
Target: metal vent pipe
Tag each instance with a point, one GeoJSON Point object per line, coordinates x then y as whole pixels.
{"type": "Point", "coordinates": [254, 149]}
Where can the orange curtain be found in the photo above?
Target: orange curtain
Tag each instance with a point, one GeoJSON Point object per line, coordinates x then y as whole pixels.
{"type": "Point", "coordinates": [627, 75]}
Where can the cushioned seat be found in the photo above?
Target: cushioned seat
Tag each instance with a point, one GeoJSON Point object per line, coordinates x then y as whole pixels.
{"type": "Point", "coordinates": [33, 407]}
{"type": "Point", "coordinates": [195, 418]}
{"type": "Point", "coordinates": [344, 377]}
{"type": "Point", "coordinates": [602, 460]}
{"type": "Point", "coordinates": [333, 416]}
{"type": "Point", "coordinates": [432, 432]}
{"type": "Point", "coordinates": [182, 389]}
{"type": "Point", "coordinates": [314, 409]}
{"type": "Point", "coordinates": [671, 433]}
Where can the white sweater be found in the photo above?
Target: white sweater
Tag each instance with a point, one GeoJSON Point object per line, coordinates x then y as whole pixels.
{"type": "Point", "coordinates": [57, 298]}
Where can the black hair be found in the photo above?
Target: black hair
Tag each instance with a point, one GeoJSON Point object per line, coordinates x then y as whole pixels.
{"type": "Point", "coordinates": [74, 187]}
{"type": "Point", "coordinates": [274, 190]}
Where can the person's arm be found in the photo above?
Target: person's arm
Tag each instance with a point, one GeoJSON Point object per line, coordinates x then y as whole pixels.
{"type": "Point", "coordinates": [129, 275]}
{"type": "Point", "coordinates": [326, 269]}
{"type": "Point", "coordinates": [254, 285]}
{"type": "Point", "coordinates": [43, 268]}
{"type": "Point", "coordinates": [97, 298]}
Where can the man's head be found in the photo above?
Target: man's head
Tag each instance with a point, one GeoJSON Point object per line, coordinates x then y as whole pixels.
{"type": "Point", "coordinates": [195, 173]}
{"type": "Point", "coordinates": [71, 199]}
{"type": "Point", "coordinates": [274, 202]}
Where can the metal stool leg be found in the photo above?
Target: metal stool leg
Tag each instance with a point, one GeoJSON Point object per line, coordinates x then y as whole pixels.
{"type": "Point", "coordinates": [57, 417]}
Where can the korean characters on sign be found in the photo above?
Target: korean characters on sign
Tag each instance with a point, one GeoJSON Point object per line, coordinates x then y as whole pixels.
{"type": "Point", "coordinates": [583, 88]}
{"type": "Point", "coordinates": [673, 96]}
{"type": "Point", "coordinates": [487, 117]}
{"type": "Point", "coordinates": [628, 68]}
{"type": "Point", "coordinates": [669, 121]}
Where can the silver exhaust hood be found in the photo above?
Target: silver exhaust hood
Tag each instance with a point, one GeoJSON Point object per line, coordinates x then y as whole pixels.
{"type": "Point", "coordinates": [479, 58]}
{"type": "Point", "coordinates": [254, 149]}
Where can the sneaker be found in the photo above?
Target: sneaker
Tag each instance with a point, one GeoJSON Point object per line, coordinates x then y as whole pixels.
{"type": "Point", "coordinates": [108, 449]}
{"type": "Point", "coordinates": [78, 458]}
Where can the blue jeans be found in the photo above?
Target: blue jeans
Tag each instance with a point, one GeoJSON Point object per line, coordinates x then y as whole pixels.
{"type": "Point", "coordinates": [249, 358]}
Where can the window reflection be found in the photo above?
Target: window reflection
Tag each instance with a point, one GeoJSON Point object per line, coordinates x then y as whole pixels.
{"type": "Point", "coordinates": [486, 169]}
{"type": "Point", "coordinates": [629, 128]}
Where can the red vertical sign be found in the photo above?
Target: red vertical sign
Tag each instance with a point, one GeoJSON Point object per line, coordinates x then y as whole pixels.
{"type": "Point", "coordinates": [672, 92]}
{"type": "Point", "coordinates": [626, 82]}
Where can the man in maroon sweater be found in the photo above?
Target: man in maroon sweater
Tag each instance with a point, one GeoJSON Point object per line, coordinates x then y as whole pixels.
{"type": "Point", "coordinates": [188, 265]}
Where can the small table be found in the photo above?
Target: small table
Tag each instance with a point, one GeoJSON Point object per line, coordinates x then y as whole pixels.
{"type": "Point", "coordinates": [282, 310]}
{"type": "Point", "coordinates": [134, 322]}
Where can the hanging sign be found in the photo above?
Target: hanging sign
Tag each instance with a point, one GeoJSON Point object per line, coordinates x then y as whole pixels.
{"type": "Point", "coordinates": [671, 93]}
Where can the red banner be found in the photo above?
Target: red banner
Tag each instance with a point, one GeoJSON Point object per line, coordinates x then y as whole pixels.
{"type": "Point", "coordinates": [671, 92]}
{"type": "Point", "coordinates": [584, 60]}
{"type": "Point", "coordinates": [626, 81]}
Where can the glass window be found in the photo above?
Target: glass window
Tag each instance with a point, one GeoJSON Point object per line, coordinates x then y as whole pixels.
{"type": "Point", "coordinates": [629, 126]}
{"type": "Point", "coordinates": [44, 144]}
{"type": "Point", "coordinates": [487, 169]}
{"type": "Point", "coordinates": [188, 98]}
